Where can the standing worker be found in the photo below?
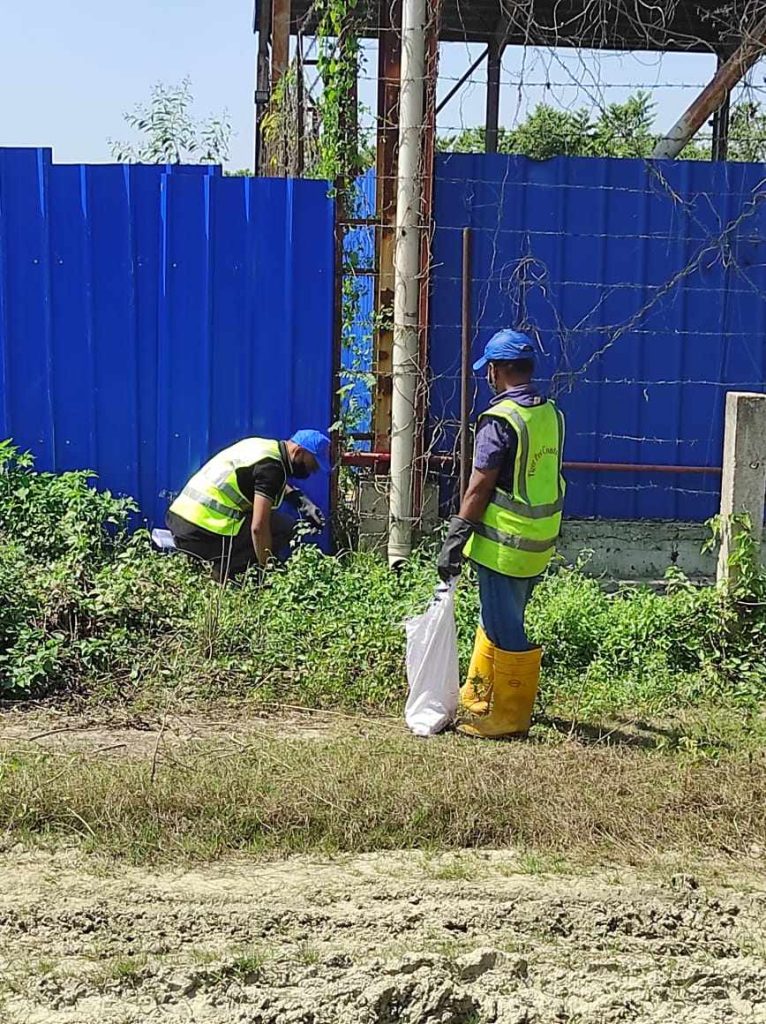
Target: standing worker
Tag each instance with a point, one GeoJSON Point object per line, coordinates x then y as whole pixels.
{"type": "Point", "coordinates": [508, 523]}
{"type": "Point", "coordinates": [228, 513]}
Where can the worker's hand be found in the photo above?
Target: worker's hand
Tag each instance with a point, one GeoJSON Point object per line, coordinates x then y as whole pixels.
{"type": "Point", "coordinates": [450, 561]}
{"type": "Point", "coordinates": [311, 513]}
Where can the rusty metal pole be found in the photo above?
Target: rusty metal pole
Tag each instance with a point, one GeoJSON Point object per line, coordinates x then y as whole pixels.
{"type": "Point", "coordinates": [428, 164]}
{"type": "Point", "coordinates": [465, 367]}
{"type": "Point", "coordinates": [300, 103]}
{"type": "Point", "coordinates": [280, 60]}
{"type": "Point", "coordinates": [261, 25]}
{"type": "Point", "coordinates": [343, 208]}
{"type": "Point", "coordinates": [385, 215]}
{"type": "Point", "coordinates": [280, 39]}
{"type": "Point", "coordinates": [714, 94]}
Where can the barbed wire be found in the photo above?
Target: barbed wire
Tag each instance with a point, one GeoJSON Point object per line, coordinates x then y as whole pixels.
{"type": "Point", "coordinates": [632, 337]}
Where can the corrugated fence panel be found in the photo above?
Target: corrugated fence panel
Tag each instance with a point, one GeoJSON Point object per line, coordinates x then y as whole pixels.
{"type": "Point", "coordinates": [73, 385]}
{"type": "Point", "coordinates": [645, 285]}
{"type": "Point", "coordinates": [26, 298]}
{"type": "Point", "coordinates": [152, 315]}
{"type": "Point", "coordinates": [360, 292]}
{"type": "Point", "coordinates": [184, 368]}
{"type": "Point", "coordinates": [114, 348]}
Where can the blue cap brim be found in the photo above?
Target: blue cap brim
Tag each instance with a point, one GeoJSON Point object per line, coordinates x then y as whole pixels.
{"type": "Point", "coordinates": [480, 363]}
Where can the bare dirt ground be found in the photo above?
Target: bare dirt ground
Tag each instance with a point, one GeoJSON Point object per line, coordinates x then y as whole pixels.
{"type": "Point", "coordinates": [468, 938]}
{"type": "Point", "coordinates": [133, 734]}
{"type": "Point", "coordinates": [444, 940]}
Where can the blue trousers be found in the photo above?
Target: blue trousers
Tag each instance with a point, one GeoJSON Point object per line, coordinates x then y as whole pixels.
{"type": "Point", "coordinates": [503, 604]}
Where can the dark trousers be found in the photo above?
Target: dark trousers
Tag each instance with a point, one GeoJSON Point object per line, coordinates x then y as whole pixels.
{"type": "Point", "coordinates": [231, 556]}
{"type": "Point", "coordinates": [503, 604]}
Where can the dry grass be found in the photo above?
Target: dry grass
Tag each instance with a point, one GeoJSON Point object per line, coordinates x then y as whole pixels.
{"type": "Point", "coordinates": [278, 796]}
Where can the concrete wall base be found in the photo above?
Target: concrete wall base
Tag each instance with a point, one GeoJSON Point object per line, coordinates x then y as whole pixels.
{"type": "Point", "coordinates": [640, 549]}
{"type": "Point", "coordinates": [614, 548]}
{"type": "Point", "coordinates": [372, 512]}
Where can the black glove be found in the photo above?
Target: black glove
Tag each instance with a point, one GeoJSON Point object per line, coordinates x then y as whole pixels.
{"type": "Point", "coordinates": [309, 511]}
{"type": "Point", "coordinates": [450, 560]}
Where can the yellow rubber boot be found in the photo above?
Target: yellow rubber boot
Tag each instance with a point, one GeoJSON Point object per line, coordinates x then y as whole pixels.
{"type": "Point", "coordinates": [474, 693]}
{"type": "Point", "coordinates": [513, 693]}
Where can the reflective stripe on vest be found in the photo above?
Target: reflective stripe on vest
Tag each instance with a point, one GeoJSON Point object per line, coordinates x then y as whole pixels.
{"type": "Point", "coordinates": [518, 531]}
{"type": "Point", "coordinates": [504, 500]}
{"type": "Point", "coordinates": [212, 499]}
{"type": "Point", "coordinates": [513, 540]}
{"type": "Point", "coordinates": [204, 499]}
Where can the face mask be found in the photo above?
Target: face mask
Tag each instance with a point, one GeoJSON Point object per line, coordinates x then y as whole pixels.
{"type": "Point", "coordinates": [300, 472]}
{"type": "Point", "coordinates": [492, 384]}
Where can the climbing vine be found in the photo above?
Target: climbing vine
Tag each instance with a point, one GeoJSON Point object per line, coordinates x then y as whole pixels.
{"type": "Point", "coordinates": [338, 63]}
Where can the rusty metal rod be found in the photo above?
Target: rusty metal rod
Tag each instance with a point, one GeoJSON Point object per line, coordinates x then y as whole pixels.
{"type": "Point", "coordinates": [714, 93]}
{"type": "Point", "coordinates": [465, 367]}
{"type": "Point", "coordinates": [381, 460]}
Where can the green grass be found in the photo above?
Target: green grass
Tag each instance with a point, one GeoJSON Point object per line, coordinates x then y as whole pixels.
{"type": "Point", "coordinates": [530, 863]}
{"type": "Point", "coordinates": [308, 955]}
{"type": "Point", "coordinates": [278, 797]}
{"type": "Point", "coordinates": [128, 968]}
{"type": "Point", "coordinates": [89, 613]}
{"type": "Point", "coordinates": [248, 964]}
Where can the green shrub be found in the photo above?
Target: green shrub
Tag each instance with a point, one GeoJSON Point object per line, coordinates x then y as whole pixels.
{"type": "Point", "coordinates": [86, 607]}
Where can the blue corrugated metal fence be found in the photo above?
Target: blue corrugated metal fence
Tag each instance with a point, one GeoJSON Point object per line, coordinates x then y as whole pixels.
{"type": "Point", "coordinates": [646, 286]}
{"type": "Point", "coordinates": [359, 293]}
{"type": "Point", "coordinates": [151, 315]}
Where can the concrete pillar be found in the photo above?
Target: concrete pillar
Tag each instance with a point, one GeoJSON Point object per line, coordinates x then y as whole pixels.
{"type": "Point", "coordinates": [743, 484]}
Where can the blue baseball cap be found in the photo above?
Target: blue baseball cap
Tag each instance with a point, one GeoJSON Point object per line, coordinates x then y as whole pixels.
{"type": "Point", "coordinates": [506, 345]}
{"type": "Point", "coordinates": [317, 443]}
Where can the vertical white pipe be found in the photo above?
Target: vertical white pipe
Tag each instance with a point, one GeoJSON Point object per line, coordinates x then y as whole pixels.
{"type": "Point", "coordinates": [406, 279]}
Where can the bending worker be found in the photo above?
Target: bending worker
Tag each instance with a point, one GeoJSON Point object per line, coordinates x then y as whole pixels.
{"type": "Point", "coordinates": [228, 513]}
{"type": "Point", "coordinates": [507, 525]}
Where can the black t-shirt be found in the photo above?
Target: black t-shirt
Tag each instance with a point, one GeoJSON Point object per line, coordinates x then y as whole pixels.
{"type": "Point", "coordinates": [267, 478]}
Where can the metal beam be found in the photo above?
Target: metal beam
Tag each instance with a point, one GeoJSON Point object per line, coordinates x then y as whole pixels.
{"type": "Point", "coordinates": [494, 57]}
{"type": "Point", "coordinates": [428, 161]}
{"type": "Point", "coordinates": [262, 23]}
{"type": "Point", "coordinates": [714, 94]}
{"type": "Point", "coordinates": [300, 101]}
{"type": "Point", "coordinates": [720, 148]}
{"type": "Point", "coordinates": [462, 80]}
{"type": "Point", "coordinates": [280, 39]}
{"type": "Point", "coordinates": [465, 368]}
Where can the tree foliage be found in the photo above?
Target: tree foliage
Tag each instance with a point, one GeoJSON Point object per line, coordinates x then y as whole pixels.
{"type": "Point", "coordinates": [747, 133]}
{"type": "Point", "coordinates": [169, 133]}
{"type": "Point", "coordinates": [618, 130]}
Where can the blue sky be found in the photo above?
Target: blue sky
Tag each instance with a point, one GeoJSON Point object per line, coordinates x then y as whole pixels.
{"type": "Point", "coordinates": [69, 71]}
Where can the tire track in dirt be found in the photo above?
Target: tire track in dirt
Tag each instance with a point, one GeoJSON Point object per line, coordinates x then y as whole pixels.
{"type": "Point", "coordinates": [458, 939]}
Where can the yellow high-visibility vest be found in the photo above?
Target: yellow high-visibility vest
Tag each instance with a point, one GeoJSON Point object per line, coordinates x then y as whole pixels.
{"type": "Point", "coordinates": [517, 533]}
{"type": "Point", "coordinates": [212, 498]}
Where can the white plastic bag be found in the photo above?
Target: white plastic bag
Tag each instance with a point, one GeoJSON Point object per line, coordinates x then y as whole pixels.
{"type": "Point", "coordinates": [433, 674]}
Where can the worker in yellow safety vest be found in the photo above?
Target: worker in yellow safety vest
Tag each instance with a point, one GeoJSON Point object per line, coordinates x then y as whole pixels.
{"type": "Point", "coordinates": [228, 513]}
{"type": "Point", "coordinates": [508, 523]}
